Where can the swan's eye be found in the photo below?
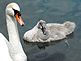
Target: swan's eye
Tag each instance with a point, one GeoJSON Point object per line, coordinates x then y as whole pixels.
{"type": "Point", "coordinates": [17, 12]}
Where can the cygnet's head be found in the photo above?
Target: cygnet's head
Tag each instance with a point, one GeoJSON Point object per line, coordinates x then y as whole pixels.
{"type": "Point", "coordinates": [13, 10]}
{"type": "Point", "coordinates": [42, 26]}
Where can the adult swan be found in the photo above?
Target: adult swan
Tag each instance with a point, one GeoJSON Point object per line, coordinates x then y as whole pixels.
{"type": "Point", "coordinates": [14, 46]}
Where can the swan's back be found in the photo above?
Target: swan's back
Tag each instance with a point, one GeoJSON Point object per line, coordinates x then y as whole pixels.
{"type": "Point", "coordinates": [66, 28]}
{"type": "Point", "coordinates": [4, 52]}
{"type": "Point", "coordinates": [59, 31]}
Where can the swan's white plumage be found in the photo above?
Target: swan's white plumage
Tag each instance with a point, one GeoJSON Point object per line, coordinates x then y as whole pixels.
{"type": "Point", "coordinates": [54, 31]}
{"type": "Point", "coordinates": [13, 46]}
{"type": "Point", "coordinates": [4, 51]}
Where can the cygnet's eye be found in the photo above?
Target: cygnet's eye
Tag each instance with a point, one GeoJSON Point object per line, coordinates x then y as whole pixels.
{"type": "Point", "coordinates": [39, 26]}
{"type": "Point", "coordinates": [40, 23]}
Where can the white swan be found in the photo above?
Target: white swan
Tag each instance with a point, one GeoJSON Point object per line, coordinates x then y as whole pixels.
{"type": "Point", "coordinates": [4, 51]}
{"type": "Point", "coordinates": [43, 32]}
{"type": "Point", "coordinates": [14, 46]}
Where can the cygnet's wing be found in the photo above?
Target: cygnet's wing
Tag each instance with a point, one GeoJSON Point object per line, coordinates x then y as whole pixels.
{"type": "Point", "coordinates": [56, 31]}
{"type": "Point", "coordinates": [59, 31]}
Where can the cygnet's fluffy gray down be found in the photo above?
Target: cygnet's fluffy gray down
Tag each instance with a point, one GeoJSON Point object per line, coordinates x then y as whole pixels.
{"type": "Point", "coordinates": [43, 32]}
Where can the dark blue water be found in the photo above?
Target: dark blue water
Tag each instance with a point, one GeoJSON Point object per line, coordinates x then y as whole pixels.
{"type": "Point", "coordinates": [50, 11]}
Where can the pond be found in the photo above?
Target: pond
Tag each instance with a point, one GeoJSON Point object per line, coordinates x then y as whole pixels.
{"type": "Point", "coordinates": [52, 11]}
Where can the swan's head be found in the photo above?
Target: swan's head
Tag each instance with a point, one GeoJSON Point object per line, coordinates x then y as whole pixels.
{"type": "Point", "coordinates": [13, 10]}
{"type": "Point", "coordinates": [42, 26]}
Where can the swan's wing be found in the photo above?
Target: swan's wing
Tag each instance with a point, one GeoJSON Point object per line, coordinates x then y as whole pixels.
{"type": "Point", "coordinates": [4, 51]}
{"type": "Point", "coordinates": [54, 26]}
{"type": "Point", "coordinates": [67, 27]}
{"type": "Point", "coordinates": [59, 31]}
{"type": "Point", "coordinates": [56, 31]}
{"type": "Point", "coordinates": [3, 37]}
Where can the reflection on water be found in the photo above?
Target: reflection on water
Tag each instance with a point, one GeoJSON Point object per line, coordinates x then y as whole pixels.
{"type": "Point", "coordinates": [47, 44]}
{"type": "Point", "coordinates": [45, 55]}
{"type": "Point", "coordinates": [51, 11]}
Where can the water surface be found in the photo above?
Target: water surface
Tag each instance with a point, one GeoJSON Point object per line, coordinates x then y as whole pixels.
{"type": "Point", "coordinates": [51, 11]}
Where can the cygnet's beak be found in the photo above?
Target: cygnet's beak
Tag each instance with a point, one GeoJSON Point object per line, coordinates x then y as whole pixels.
{"type": "Point", "coordinates": [44, 30]}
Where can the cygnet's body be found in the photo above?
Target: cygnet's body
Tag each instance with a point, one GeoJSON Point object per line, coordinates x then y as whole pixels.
{"type": "Point", "coordinates": [43, 32]}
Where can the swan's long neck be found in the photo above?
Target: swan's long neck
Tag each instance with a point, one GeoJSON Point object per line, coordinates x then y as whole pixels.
{"type": "Point", "coordinates": [13, 33]}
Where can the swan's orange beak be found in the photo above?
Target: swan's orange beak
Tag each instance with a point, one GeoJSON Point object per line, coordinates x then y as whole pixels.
{"type": "Point", "coordinates": [19, 19]}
